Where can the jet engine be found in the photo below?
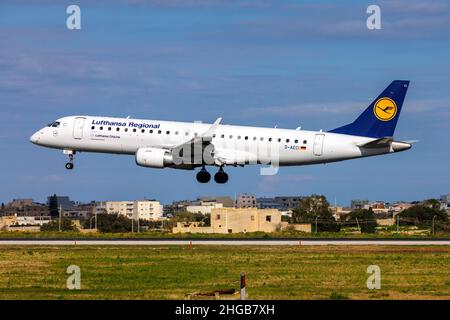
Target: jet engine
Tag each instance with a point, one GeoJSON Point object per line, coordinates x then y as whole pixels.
{"type": "Point", "coordinates": [154, 158]}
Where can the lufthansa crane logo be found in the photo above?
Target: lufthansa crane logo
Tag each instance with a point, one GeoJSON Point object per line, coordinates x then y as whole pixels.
{"type": "Point", "coordinates": [385, 109]}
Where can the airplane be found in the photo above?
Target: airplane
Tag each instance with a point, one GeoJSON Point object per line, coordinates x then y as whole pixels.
{"type": "Point", "coordinates": [186, 145]}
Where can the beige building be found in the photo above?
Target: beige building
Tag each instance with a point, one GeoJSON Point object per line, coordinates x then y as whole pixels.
{"type": "Point", "coordinates": [237, 220]}
{"type": "Point", "coordinates": [144, 209]}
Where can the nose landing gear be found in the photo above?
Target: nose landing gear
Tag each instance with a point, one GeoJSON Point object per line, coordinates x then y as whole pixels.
{"type": "Point", "coordinates": [70, 153]}
{"type": "Point", "coordinates": [69, 165]}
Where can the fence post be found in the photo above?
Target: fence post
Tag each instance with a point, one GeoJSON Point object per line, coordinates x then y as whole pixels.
{"type": "Point", "coordinates": [243, 285]}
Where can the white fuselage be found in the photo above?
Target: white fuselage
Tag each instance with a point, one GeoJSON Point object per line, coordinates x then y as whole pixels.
{"type": "Point", "coordinates": [235, 145]}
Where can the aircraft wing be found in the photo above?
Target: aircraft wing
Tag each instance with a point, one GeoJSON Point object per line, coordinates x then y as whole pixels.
{"type": "Point", "coordinates": [205, 136]}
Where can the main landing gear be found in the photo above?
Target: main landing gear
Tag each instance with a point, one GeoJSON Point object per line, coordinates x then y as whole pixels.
{"type": "Point", "coordinates": [221, 176]}
{"type": "Point", "coordinates": [204, 176]}
{"type": "Point", "coordinates": [70, 153]}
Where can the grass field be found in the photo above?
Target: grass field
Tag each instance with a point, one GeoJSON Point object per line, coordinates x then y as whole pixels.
{"type": "Point", "coordinates": [171, 272]}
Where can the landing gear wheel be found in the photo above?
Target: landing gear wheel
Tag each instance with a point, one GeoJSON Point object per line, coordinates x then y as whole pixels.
{"type": "Point", "coordinates": [221, 176]}
{"type": "Point", "coordinates": [203, 176]}
{"type": "Point", "coordinates": [69, 165]}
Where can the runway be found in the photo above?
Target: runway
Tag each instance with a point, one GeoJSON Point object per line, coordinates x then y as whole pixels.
{"type": "Point", "coordinates": [165, 242]}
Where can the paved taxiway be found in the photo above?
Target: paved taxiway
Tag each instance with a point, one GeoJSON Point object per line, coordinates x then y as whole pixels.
{"type": "Point", "coordinates": [141, 242]}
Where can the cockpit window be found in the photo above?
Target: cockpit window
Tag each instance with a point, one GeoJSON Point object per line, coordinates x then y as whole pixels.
{"type": "Point", "coordinates": [54, 124]}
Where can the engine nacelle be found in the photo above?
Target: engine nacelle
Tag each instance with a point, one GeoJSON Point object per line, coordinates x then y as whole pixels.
{"type": "Point", "coordinates": [154, 158]}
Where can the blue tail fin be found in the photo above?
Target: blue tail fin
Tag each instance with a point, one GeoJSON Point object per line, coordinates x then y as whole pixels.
{"type": "Point", "coordinates": [380, 118]}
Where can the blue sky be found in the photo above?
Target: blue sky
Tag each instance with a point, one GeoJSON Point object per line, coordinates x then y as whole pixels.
{"type": "Point", "coordinates": [311, 63]}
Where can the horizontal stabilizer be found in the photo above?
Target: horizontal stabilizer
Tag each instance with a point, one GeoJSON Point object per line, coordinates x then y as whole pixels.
{"type": "Point", "coordinates": [378, 143]}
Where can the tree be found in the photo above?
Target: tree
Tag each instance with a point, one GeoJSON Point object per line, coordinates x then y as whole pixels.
{"type": "Point", "coordinates": [113, 223]}
{"type": "Point", "coordinates": [310, 208]}
{"type": "Point", "coordinates": [183, 216]}
{"type": "Point", "coordinates": [432, 203]}
{"type": "Point", "coordinates": [420, 215]}
{"type": "Point", "coordinates": [365, 218]}
{"type": "Point", "coordinates": [315, 208]}
{"type": "Point", "coordinates": [66, 225]}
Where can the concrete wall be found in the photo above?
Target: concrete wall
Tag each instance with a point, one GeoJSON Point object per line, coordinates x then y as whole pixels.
{"type": "Point", "coordinates": [304, 227]}
{"type": "Point", "coordinates": [191, 227]}
{"type": "Point", "coordinates": [386, 222]}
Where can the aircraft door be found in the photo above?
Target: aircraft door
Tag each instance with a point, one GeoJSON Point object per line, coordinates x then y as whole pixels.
{"type": "Point", "coordinates": [318, 144]}
{"type": "Point", "coordinates": [78, 128]}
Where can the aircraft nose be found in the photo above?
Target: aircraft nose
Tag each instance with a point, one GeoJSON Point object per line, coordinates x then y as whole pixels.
{"type": "Point", "coordinates": [35, 138]}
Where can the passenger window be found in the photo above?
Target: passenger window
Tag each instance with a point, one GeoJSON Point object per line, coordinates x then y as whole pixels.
{"type": "Point", "coordinates": [246, 137]}
{"type": "Point", "coordinates": [262, 139]}
{"type": "Point", "coordinates": [101, 128]}
{"type": "Point", "coordinates": [239, 137]}
{"type": "Point", "coordinates": [126, 129]}
{"type": "Point", "coordinates": [270, 139]}
{"type": "Point", "coordinates": [134, 130]}
{"type": "Point", "coordinates": [159, 131]}
{"type": "Point", "coordinates": [117, 129]}
{"type": "Point", "coordinates": [222, 136]}
{"type": "Point", "coordinates": [167, 132]}
{"type": "Point", "coordinates": [231, 136]}
{"type": "Point", "coordinates": [176, 133]}
{"type": "Point", "coordinates": [143, 130]}
{"type": "Point", "coordinates": [109, 128]}
{"type": "Point", "coordinates": [287, 140]}
{"type": "Point", "coordinates": [151, 131]}
{"type": "Point", "coordinates": [92, 128]}
{"type": "Point", "coordinates": [254, 138]}
{"type": "Point", "coordinates": [279, 139]}
{"type": "Point", "coordinates": [304, 141]}
{"type": "Point", "coordinates": [214, 135]}
{"type": "Point", "coordinates": [296, 141]}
